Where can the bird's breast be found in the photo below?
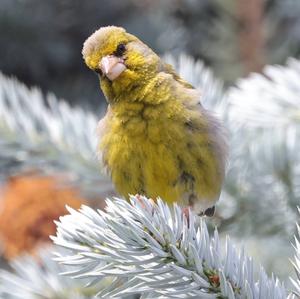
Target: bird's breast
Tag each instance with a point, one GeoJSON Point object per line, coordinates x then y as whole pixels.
{"type": "Point", "coordinates": [154, 152]}
{"type": "Point", "coordinates": [139, 152]}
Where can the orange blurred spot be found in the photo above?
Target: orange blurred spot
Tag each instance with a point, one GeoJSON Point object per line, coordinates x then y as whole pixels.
{"type": "Point", "coordinates": [28, 206]}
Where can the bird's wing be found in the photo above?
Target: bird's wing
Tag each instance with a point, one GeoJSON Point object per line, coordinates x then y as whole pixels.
{"type": "Point", "coordinates": [168, 68]}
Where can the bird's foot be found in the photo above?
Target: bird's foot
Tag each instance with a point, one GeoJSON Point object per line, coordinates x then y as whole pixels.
{"type": "Point", "coordinates": [186, 213]}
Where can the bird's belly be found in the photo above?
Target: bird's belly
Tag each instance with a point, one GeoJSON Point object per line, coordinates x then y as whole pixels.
{"type": "Point", "coordinates": [144, 168]}
{"type": "Point", "coordinates": [160, 161]}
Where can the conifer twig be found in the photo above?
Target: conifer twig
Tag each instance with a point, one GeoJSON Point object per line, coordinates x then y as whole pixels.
{"type": "Point", "coordinates": [151, 249]}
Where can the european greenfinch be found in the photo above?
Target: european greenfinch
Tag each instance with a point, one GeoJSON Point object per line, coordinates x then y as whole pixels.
{"type": "Point", "coordinates": [156, 138]}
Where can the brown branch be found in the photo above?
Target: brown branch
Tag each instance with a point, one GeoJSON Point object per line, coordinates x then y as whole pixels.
{"type": "Point", "coordinates": [251, 34]}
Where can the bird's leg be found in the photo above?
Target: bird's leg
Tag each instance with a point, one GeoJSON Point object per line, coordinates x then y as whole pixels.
{"type": "Point", "coordinates": [186, 212]}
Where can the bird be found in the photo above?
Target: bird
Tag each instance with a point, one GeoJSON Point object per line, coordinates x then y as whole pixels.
{"type": "Point", "coordinates": [156, 138]}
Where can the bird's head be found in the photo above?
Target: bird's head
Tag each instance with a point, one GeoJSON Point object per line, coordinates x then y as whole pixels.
{"type": "Point", "coordinates": [123, 62]}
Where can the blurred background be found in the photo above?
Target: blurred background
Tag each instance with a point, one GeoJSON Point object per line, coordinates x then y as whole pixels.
{"type": "Point", "coordinates": [47, 134]}
{"type": "Point", "coordinates": [41, 40]}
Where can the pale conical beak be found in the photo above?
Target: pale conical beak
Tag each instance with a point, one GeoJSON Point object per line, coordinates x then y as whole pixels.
{"type": "Point", "coordinates": [112, 66]}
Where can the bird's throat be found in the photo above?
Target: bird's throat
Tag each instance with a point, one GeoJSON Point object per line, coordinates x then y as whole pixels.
{"type": "Point", "coordinates": [125, 90]}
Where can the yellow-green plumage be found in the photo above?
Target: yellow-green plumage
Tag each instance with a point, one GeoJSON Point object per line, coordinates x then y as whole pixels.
{"type": "Point", "coordinates": [156, 139]}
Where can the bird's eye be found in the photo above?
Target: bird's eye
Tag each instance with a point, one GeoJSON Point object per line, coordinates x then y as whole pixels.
{"type": "Point", "coordinates": [120, 50]}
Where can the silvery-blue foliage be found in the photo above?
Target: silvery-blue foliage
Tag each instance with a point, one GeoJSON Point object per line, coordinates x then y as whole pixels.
{"type": "Point", "coordinates": [265, 127]}
{"type": "Point", "coordinates": [34, 278]}
{"type": "Point", "coordinates": [264, 166]}
{"type": "Point", "coordinates": [296, 263]}
{"type": "Point", "coordinates": [39, 132]}
{"type": "Point", "coordinates": [158, 251]}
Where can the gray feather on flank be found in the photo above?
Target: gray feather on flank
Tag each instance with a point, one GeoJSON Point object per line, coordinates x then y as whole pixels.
{"type": "Point", "coordinates": [219, 136]}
